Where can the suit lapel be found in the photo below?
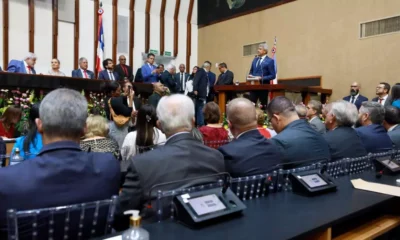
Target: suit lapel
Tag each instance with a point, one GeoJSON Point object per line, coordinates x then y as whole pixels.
{"type": "Point", "coordinates": [22, 66]}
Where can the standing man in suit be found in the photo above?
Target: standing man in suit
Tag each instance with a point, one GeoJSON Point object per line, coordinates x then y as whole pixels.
{"type": "Point", "coordinates": [108, 73]}
{"type": "Point", "coordinates": [263, 68]}
{"type": "Point", "coordinates": [391, 124]}
{"type": "Point", "coordinates": [355, 97]}
{"type": "Point", "coordinates": [182, 157]}
{"type": "Point", "coordinates": [82, 71]}
{"type": "Point", "coordinates": [62, 123]}
{"type": "Point", "coordinates": [372, 133]}
{"type": "Point", "coordinates": [182, 77]}
{"type": "Point", "coordinates": [150, 73]}
{"type": "Point", "coordinates": [168, 78]}
{"type": "Point", "coordinates": [26, 66]}
{"type": "Point", "coordinates": [124, 71]}
{"type": "Point", "coordinates": [211, 82]}
{"type": "Point", "coordinates": [314, 109]}
{"type": "Point", "coordinates": [201, 90]}
{"type": "Point", "coordinates": [250, 153]}
{"type": "Point", "coordinates": [382, 92]}
{"type": "Point", "coordinates": [226, 76]}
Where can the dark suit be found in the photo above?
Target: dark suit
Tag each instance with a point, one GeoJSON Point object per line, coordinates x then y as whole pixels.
{"type": "Point", "coordinates": [200, 83]}
{"type": "Point", "coordinates": [395, 136]}
{"type": "Point", "coordinates": [266, 70]}
{"type": "Point", "coordinates": [225, 78]}
{"type": "Point", "coordinates": [375, 138]}
{"type": "Point", "coordinates": [359, 100]}
{"type": "Point", "coordinates": [250, 154]}
{"type": "Point", "coordinates": [124, 71]}
{"type": "Point", "coordinates": [211, 81]}
{"type": "Point", "coordinates": [344, 143]}
{"type": "Point", "coordinates": [388, 101]}
{"type": "Point", "coordinates": [179, 81]}
{"type": "Point", "coordinates": [104, 75]}
{"type": "Point", "coordinates": [138, 76]}
{"type": "Point", "coordinates": [78, 74]}
{"type": "Point", "coordinates": [181, 157]}
{"type": "Point", "coordinates": [318, 125]}
{"type": "Point", "coordinates": [60, 175]}
{"type": "Point", "coordinates": [119, 105]}
{"type": "Point", "coordinates": [169, 81]}
{"type": "Point", "coordinates": [300, 142]}
{"type": "Point", "coordinates": [17, 66]}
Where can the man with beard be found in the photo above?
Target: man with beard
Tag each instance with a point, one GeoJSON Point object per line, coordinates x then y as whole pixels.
{"type": "Point", "coordinates": [355, 97]}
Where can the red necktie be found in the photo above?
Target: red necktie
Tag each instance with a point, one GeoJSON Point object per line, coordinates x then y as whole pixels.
{"type": "Point", "coordinates": [125, 70]}
{"type": "Point", "coordinates": [84, 71]}
{"type": "Point", "coordinates": [380, 100]}
{"type": "Point", "coordinates": [29, 69]}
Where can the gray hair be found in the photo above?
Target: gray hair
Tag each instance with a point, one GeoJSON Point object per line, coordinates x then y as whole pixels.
{"type": "Point", "coordinates": [375, 111]}
{"type": "Point", "coordinates": [63, 113]}
{"type": "Point", "coordinates": [301, 111]}
{"type": "Point", "coordinates": [263, 46]}
{"type": "Point", "coordinates": [175, 112]}
{"type": "Point", "coordinates": [206, 65]}
{"type": "Point", "coordinates": [316, 106]}
{"type": "Point", "coordinates": [171, 66]}
{"type": "Point", "coordinates": [30, 56]}
{"type": "Point", "coordinates": [345, 113]}
{"type": "Point", "coordinates": [82, 59]}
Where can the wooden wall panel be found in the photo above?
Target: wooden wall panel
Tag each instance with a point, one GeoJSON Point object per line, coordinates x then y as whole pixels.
{"type": "Point", "coordinates": [189, 36]}
{"type": "Point", "coordinates": [176, 26]}
{"type": "Point", "coordinates": [76, 35]}
{"type": "Point", "coordinates": [131, 31]}
{"type": "Point", "coordinates": [147, 27]}
{"type": "Point", "coordinates": [5, 33]}
{"type": "Point", "coordinates": [55, 28]}
{"type": "Point", "coordinates": [31, 4]}
{"type": "Point", "coordinates": [162, 27]}
{"type": "Point", "coordinates": [115, 30]}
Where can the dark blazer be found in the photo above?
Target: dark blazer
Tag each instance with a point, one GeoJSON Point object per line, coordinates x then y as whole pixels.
{"type": "Point", "coordinates": [395, 136]}
{"type": "Point", "coordinates": [121, 73]}
{"type": "Point", "coordinates": [60, 175]}
{"type": "Point", "coordinates": [17, 66]}
{"type": "Point", "coordinates": [169, 81]}
{"type": "Point", "coordinates": [266, 69]}
{"type": "Point", "coordinates": [178, 80]}
{"type": "Point", "coordinates": [359, 100]}
{"type": "Point", "coordinates": [344, 143]}
{"type": "Point", "coordinates": [138, 76]}
{"type": "Point", "coordinates": [375, 138]}
{"type": "Point", "coordinates": [300, 142]}
{"type": "Point", "coordinates": [78, 74]}
{"type": "Point", "coordinates": [200, 82]}
{"type": "Point", "coordinates": [388, 101]}
{"type": "Point", "coordinates": [225, 78]}
{"type": "Point", "coordinates": [250, 154]}
{"type": "Point", "coordinates": [103, 75]}
{"type": "Point", "coordinates": [119, 105]}
{"type": "Point", "coordinates": [181, 157]}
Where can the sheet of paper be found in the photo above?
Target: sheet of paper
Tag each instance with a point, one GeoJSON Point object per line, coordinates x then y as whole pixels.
{"type": "Point", "coordinates": [114, 238]}
{"type": "Point", "coordinates": [376, 187]}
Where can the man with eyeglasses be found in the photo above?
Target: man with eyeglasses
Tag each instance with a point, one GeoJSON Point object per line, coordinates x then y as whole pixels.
{"type": "Point", "coordinates": [382, 92]}
{"type": "Point", "coordinates": [355, 97]}
{"type": "Point", "coordinates": [124, 71]}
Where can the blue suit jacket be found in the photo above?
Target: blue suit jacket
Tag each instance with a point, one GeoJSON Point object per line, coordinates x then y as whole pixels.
{"type": "Point", "coordinates": [78, 74]}
{"type": "Point", "coordinates": [299, 142]}
{"type": "Point", "coordinates": [60, 175]}
{"type": "Point", "coordinates": [148, 77]}
{"type": "Point", "coordinates": [103, 75]}
{"type": "Point", "coordinates": [375, 138]}
{"type": "Point", "coordinates": [266, 69]}
{"type": "Point", "coordinates": [211, 78]}
{"type": "Point", "coordinates": [17, 66]}
{"type": "Point", "coordinates": [359, 100]}
{"type": "Point", "coordinates": [250, 154]}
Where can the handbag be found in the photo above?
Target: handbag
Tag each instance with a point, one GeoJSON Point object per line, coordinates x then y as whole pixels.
{"type": "Point", "coordinates": [119, 120]}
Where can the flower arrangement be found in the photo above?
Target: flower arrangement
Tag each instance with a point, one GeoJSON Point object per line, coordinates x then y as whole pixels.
{"type": "Point", "coordinates": [96, 104]}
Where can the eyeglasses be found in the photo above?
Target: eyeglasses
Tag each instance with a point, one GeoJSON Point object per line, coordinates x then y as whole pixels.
{"type": "Point", "coordinates": [122, 59]}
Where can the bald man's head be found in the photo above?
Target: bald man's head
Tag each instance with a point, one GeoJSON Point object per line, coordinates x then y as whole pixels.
{"type": "Point", "coordinates": [241, 115]}
{"type": "Point", "coordinates": [355, 88]}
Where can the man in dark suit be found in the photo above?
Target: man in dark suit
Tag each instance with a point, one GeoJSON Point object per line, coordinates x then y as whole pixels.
{"type": "Point", "coordinates": [391, 124]}
{"type": "Point", "coordinates": [26, 66]}
{"type": "Point", "coordinates": [355, 97]}
{"type": "Point", "coordinates": [62, 173]}
{"type": "Point", "coordinates": [314, 109]}
{"type": "Point", "coordinates": [382, 92]}
{"type": "Point", "coordinates": [211, 81]}
{"type": "Point", "coordinates": [343, 140]}
{"type": "Point", "coordinates": [200, 90]}
{"type": "Point", "coordinates": [82, 71]}
{"type": "Point", "coordinates": [263, 68]}
{"type": "Point", "coordinates": [138, 76]}
{"type": "Point", "coordinates": [182, 77]}
{"type": "Point", "coordinates": [108, 73]}
{"type": "Point", "coordinates": [372, 133]}
{"type": "Point", "coordinates": [182, 157]}
{"type": "Point", "coordinates": [168, 78]}
{"type": "Point", "coordinates": [250, 153]}
{"type": "Point", "coordinates": [124, 71]}
{"type": "Point", "coordinates": [298, 141]}
{"type": "Point", "coordinates": [226, 76]}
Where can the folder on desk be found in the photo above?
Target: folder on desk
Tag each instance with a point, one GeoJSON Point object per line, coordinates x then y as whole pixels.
{"type": "Point", "coordinates": [376, 187]}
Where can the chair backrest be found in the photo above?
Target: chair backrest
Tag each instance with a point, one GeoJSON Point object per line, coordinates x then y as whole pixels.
{"type": "Point", "coordinates": [78, 221]}
{"type": "Point", "coordinates": [216, 144]}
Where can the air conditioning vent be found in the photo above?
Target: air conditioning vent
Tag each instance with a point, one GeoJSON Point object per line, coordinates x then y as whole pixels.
{"type": "Point", "coordinates": [249, 50]}
{"type": "Point", "coordinates": [380, 27]}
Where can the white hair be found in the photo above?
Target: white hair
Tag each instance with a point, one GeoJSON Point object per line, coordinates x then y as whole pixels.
{"type": "Point", "coordinates": [264, 46]}
{"type": "Point", "coordinates": [346, 113]}
{"type": "Point", "coordinates": [171, 66]}
{"type": "Point", "coordinates": [175, 112]}
{"type": "Point", "coordinates": [82, 59]}
{"type": "Point", "coordinates": [30, 56]}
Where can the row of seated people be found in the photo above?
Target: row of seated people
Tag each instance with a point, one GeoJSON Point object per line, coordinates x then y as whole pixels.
{"type": "Point", "coordinates": [64, 174]}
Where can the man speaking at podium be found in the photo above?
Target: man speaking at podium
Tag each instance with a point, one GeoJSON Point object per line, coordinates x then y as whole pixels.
{"type": "Point", "coordinates": [263, 69]}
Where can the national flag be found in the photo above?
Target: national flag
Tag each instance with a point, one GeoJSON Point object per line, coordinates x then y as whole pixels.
{"type": "Point", "coordinates": [100, 42]}
{"type": "Point", "coordinates": [275, 81]}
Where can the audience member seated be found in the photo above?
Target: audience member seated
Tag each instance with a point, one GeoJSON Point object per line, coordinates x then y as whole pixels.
{"type": "Point", "coordinates": [355, 97]}
{"type": "Point", "coordinates": [82, 71]}
{"type": "Point", "coordinates": [182, 157]}
{"type": "Point", "coordinates": [266, 132]}
{"type": "Point", "coordinates": [343, 140]}
{"type": "Point", "coordinates": [30, 144]}
{"type": "Point", "coordinates": [96, 137]}
{"type": "Point", "coordinates": [23, 66]}
{"type": "Point", "coordinates": [158, 93]}
{"type": "Point", "coordinates": [108, 72]}
{"type": "Point", "coordinates": [382, 92]}
{"type": "Point", "coordinates": [301, 111]}
{"type": "Point", "coordinates": [297, 139]}
{"type": "Point", "coordinates": [137, 103]}
{"type": "Point", "coordinates": [250, 153]}
{"type": "Point", "coordinates": [8, 121]}
{"type": "Point", "coordinates": [313, 112]}
{"type": "Point", "coordinates": [61, 174]}
{"type": "Point", "coordinates": [391, 124]}
{"type": "Point", "coordinates": [395, 96]}
{"type": "Point", "coordinates": [373, 135]}
{"type": "Point", "coordinates": [146, 136]}
{"type": "Point", "coordinates": [213, 131]}
{"type": "Point", "coordinates": [55, 68]}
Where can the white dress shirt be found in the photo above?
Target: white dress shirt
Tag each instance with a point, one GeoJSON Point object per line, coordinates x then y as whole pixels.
{"type": "Point", "coordinates": [392, 127]}
{"type": "Point", "coordinates": [28, 71]}
{"type": "Point", "coordinates": [111, 75]}
{"type": "Point", "coordinates": [354, 98]}
{"type": "Point", "coordinates": [383, 100]}
{"type": "Point", "coordinates": [83, 73]}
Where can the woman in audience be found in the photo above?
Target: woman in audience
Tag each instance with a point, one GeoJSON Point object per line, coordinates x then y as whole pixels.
{"type": "Point", "coordinates": [96, 137]}
{"type": "Point", "coordinates": [145, 136]}
{"type": "Point", "coordinates": [214, 134]}
{"type": "Point", "coordinates": [55, 68]}
{"type": "Point", "coordinates": [396, 96]}
{"type": "Point", "coordinates": [8, 120]}
{"type": "Point", "coordinates": [31, 144]}
{"type": "Point", "coordinates": [189, 83]}
{"type": "Point", "coordinates": [266, 132]}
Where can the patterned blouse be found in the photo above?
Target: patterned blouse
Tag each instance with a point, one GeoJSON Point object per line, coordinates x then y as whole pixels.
{"type": "Point", "coordinates": [106, 145]}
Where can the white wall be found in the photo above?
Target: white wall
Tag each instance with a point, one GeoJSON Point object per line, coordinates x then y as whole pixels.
{"type": "Point", "coordinates": [43, 35]}
{"type": "Point", "coordinates": [195, 36]}
{"type": "Point", "coordinates": [182, 33]}
{"type": "Point", "coordinates": [155, 25]}
{"type": "Point", "coordinates": [18, 43]}
{"type": "Point", "coordinates": [123, 10]}
{"type": "Point", "coordinates": [66, 47]}
{"type": "Point", "coordinates": [86, 28]}
{"type": "Point", "coordinates": [169, 26]}
{"type": "Point", "coordinates": [139, 34]}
